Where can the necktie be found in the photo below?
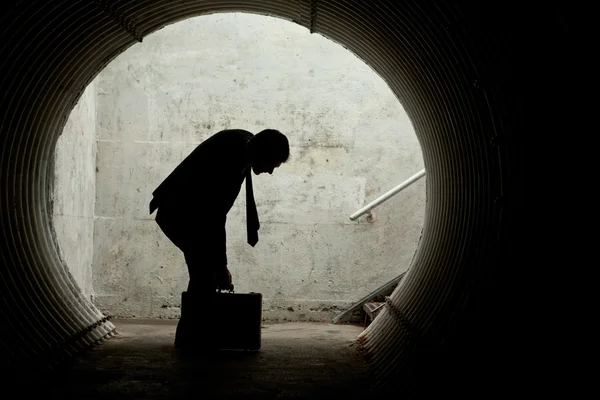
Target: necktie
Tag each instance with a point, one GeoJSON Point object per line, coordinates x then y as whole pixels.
{"type": "Point", "coordinates": [251, 215]}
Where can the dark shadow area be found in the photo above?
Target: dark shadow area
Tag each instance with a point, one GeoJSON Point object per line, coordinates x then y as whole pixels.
{"type": "Point", "coordinates": [296, 360]}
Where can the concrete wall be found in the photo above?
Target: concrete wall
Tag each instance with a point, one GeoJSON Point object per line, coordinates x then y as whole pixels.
{"type": "Point", "coordinates": [74, 190]}
{"type": "Point", "coordinates": [351, 141]}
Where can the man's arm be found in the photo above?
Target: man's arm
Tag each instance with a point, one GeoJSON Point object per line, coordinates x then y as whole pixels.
{"type": "Point", "coordinates": [217, 248]}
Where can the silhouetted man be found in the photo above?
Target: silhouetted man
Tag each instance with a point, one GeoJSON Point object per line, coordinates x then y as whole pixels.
{"type": "Point", "coordinates": [193, 202]}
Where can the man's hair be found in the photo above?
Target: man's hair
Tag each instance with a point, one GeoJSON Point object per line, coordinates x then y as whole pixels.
{"type": "Point", "coordinates": [271, 145]}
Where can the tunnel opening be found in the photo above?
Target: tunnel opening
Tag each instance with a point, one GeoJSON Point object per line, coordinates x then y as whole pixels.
{"type": "Point", "coordinates": [463, 72]}
{"type": "Point", "coordinates": [154, 103]}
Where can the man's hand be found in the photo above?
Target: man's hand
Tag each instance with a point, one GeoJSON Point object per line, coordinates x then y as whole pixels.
{"type": "Point", "coordinates": [224, 280]}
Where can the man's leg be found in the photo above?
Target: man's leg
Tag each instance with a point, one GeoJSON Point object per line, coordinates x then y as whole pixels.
{"type": "Point", "coordinates": [196, 303]}
{"type": "Point", "coordinates": [206, 259]}
{"type": "Point", "coordinates": [202, 272]}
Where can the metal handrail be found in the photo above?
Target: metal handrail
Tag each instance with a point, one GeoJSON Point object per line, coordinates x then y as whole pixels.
{"type": "Point", "coordinates": [388, 195]}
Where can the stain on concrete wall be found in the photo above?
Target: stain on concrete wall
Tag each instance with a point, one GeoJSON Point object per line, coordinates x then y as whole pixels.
{"type": "Point", "coordinates": [350, 138]}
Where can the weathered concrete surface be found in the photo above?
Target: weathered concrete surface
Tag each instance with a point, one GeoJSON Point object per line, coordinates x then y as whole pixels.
{"type": "Point", "coordinates": [351, 141]}
{"type": "Point", "coordinates": [74, 191]}
{"type": "Point", "coordinates": [296, 361]}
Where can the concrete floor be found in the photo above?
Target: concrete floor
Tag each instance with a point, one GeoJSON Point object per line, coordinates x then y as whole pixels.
{"type": "Point", "coordinates": [296, 361]}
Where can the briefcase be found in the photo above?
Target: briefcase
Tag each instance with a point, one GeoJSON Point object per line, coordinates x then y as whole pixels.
{"type": "Point", "coordinates": [238, 318]}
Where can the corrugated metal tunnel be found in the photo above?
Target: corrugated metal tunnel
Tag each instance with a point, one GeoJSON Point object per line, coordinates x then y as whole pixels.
{"type": "Point", "coordinates": [452, 65]}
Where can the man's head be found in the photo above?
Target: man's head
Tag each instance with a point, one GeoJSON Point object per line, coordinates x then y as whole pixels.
{"type": "Point", "coordinates": [268, 149]}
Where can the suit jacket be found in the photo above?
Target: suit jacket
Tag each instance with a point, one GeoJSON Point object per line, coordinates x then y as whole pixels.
{"type": "Point", "coordinates": [204, 186]}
